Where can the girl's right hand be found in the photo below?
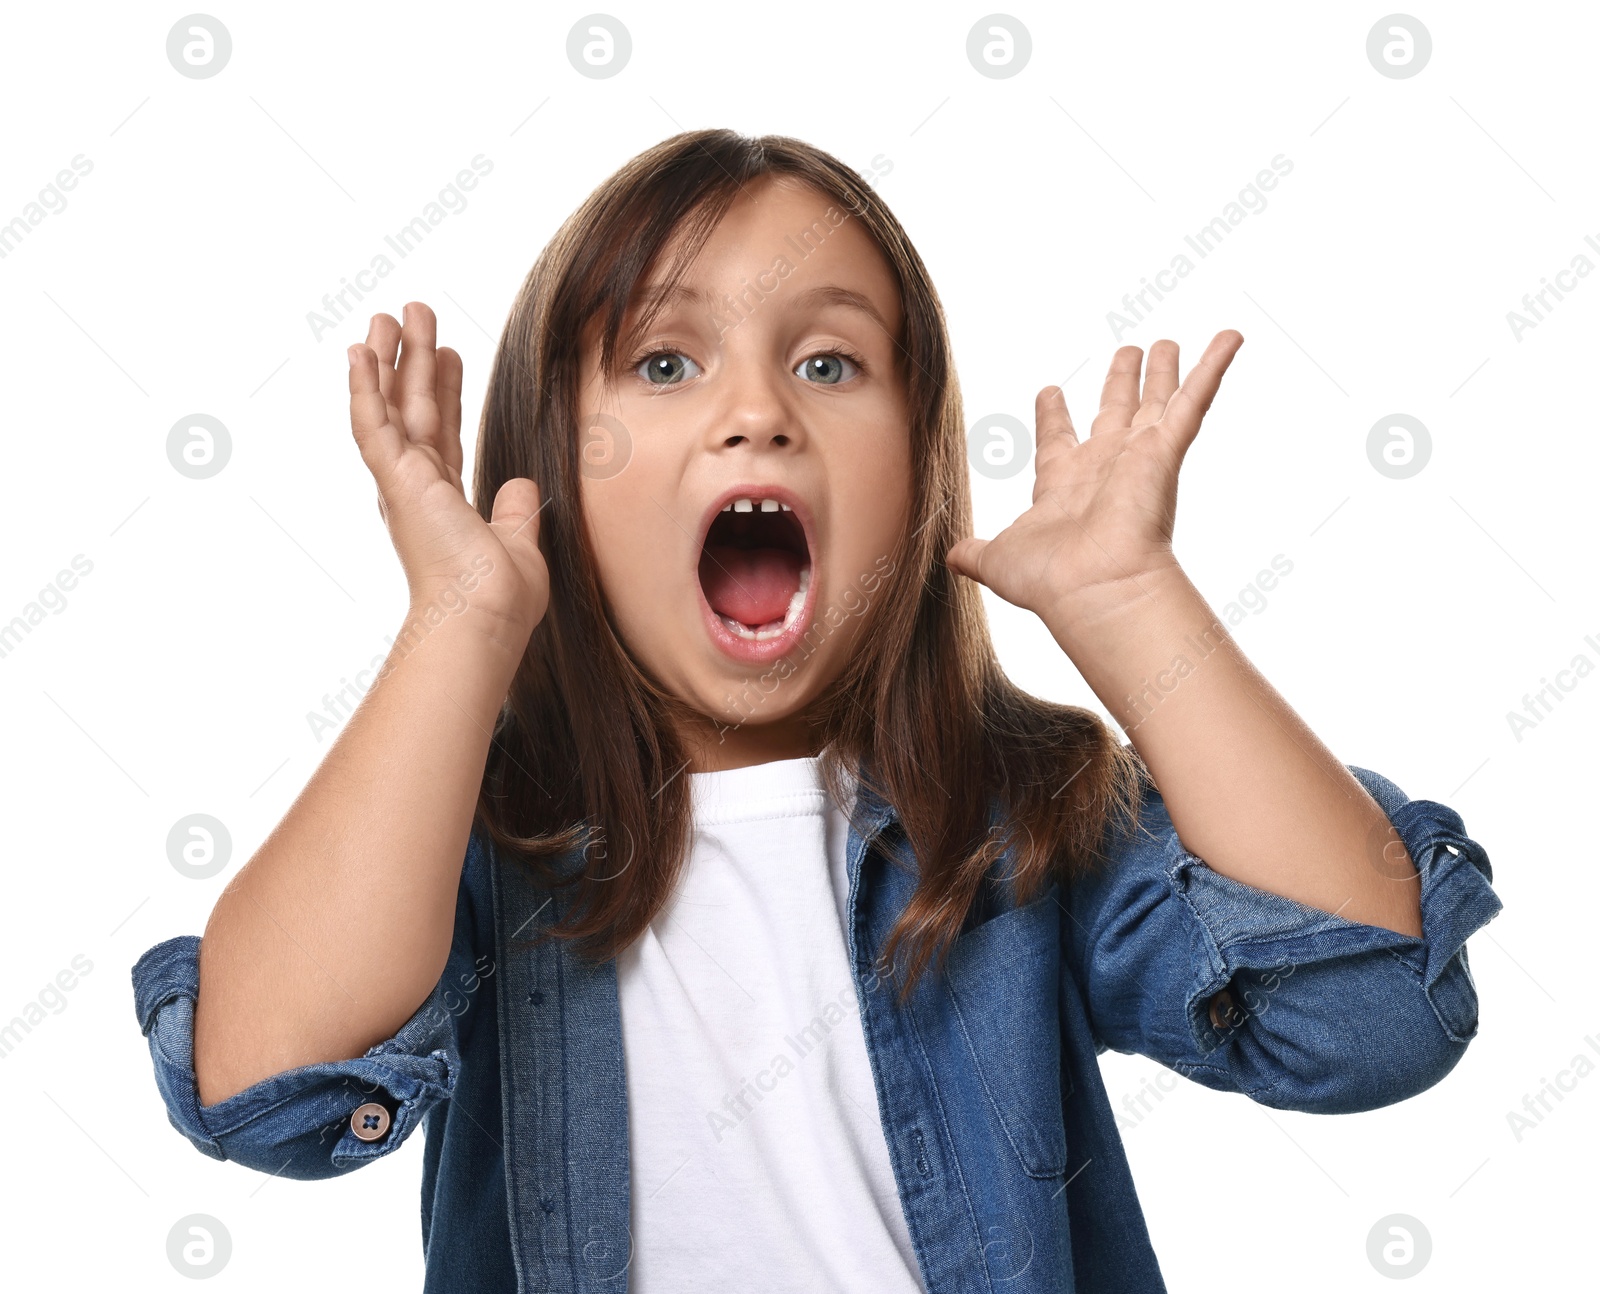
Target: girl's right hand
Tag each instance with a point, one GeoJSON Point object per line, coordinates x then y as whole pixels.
{"type": "Point", "coordinates": [407, 423]}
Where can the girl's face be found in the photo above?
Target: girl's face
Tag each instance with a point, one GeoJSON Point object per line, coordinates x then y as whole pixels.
{"type": "Point", "coordinates": [745, 504]}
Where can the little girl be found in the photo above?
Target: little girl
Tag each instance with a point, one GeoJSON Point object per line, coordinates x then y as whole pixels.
{"type": "Point", "coordinates": [694, 876]}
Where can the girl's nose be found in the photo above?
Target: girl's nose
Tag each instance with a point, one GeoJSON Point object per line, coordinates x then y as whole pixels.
{"type": "Point", "coordinates": [758, 415]}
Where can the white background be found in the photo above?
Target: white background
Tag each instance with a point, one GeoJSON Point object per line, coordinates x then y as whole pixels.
{"type": "Point", "coordinates": [218, 612]}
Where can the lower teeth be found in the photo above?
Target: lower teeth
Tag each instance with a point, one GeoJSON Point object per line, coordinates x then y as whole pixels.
{"type": "Point", "coordinates": [774, 628]}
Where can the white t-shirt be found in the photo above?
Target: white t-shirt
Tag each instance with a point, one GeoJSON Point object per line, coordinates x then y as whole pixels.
{"type": "Point", "coordinates": [758, 1157]}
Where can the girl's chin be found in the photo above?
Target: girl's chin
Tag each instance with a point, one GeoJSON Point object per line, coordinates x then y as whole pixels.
{"type": "Point", "coordinates": [742, 709]}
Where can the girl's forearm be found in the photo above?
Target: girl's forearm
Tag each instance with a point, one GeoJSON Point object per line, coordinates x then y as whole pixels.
{"type": "Point", "coordinates": [1249, 787]}
{"type": "Point", "coordinates": [339, 926]}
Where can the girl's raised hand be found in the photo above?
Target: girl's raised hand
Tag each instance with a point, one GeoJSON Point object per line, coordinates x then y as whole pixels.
{"type": "Point", "coordinates": [406, 418]}
{"type": "Point", "coordinates": [1103, 510]}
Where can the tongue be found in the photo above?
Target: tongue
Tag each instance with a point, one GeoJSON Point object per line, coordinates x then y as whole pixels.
{"type": "Point", "coordinates": [750, 585]}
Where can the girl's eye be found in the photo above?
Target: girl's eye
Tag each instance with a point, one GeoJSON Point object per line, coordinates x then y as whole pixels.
{"type": "Point", "coordinates": [827, 370]}
{"type": "Point", "coordinates": [666, 368]}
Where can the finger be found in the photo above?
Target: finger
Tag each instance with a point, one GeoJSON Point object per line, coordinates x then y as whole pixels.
{"type": "Point", "coordinates": [418, 374]}
{"type": "Point", "coordinates": [1160, 381]}
{"type": "Point", "coordinates": [1185, 410]}
{"type": "Point", "coordinates": [1051, 420]}
{"type": "Point", "coordinates": [449, 400]}
{"type": "Point", "coordinates": [965, 556]}
{"type": "Point", "coordinates": [515, 513]}
{"type": "Point", "coordinates": [380, 441]}
{"type": "Point", "coordinates": [1119, 398]}
{"type": "Point", "coordinates": [514, 518]}
{"type": "Point", "coordinates": [383, 335]}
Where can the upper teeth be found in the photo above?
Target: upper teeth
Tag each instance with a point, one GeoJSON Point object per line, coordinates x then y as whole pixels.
{"type": "Point", "coordinates": [748, 505]}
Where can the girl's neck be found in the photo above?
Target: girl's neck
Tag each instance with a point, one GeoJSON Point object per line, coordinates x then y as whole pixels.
{"type": "Point", "coordinates": [715, 749]}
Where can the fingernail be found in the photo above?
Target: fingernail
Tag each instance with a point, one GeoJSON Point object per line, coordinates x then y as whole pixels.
{"type": "Point", "coordinates": [350, 354]}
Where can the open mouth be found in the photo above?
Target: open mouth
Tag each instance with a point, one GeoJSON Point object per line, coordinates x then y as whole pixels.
{"type": "Point", "coordinates": [755, 572]}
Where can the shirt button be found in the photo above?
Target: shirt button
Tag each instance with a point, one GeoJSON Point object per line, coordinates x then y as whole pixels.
{"type": "Point", "coordinates": [370, 1121]}
{"type": "Point", "coordinates": [1224, 1010]}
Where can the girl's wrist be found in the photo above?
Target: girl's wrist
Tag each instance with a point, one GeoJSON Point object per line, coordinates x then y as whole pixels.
{"type": "Point", "coordinates": [476, 641]}
{"type": "Point", "coordinates": [1080, 618]}
{"type": "Point", "coordinates": [434, 606]}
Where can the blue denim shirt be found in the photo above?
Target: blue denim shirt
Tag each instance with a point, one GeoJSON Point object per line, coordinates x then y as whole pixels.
{"type": "Point", "coordinates": [1010, 1168]}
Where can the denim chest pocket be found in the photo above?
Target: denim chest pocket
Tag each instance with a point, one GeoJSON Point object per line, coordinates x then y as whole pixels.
{"type": "Point", "coordinates": [1004, 983]}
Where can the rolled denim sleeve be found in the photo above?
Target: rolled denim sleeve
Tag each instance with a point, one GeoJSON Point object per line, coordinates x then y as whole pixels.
{"type": "Point", "coordinates": [1247, 991]}
{"type": "Point", "coordinates": [297, 1123]}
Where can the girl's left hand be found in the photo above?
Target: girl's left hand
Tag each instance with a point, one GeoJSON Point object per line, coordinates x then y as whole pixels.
{"type": "Point", "coordinates": [1103, 510]}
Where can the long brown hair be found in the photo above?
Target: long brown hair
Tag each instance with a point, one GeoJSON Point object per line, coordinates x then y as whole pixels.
{"type": "Point", "coordinates": [587, 755]}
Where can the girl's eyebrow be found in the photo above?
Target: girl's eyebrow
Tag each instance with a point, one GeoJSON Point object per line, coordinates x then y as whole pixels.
{"type": "Point", "coordinates": [825, 294]}
{"type": "Point", "coordinates": [831, 294]}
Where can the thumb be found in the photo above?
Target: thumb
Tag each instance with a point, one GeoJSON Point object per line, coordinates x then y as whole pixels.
{"type": "Point", "coordinates": [964, 557]}
{"type": "Point", "coordinates": [515, 514]}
